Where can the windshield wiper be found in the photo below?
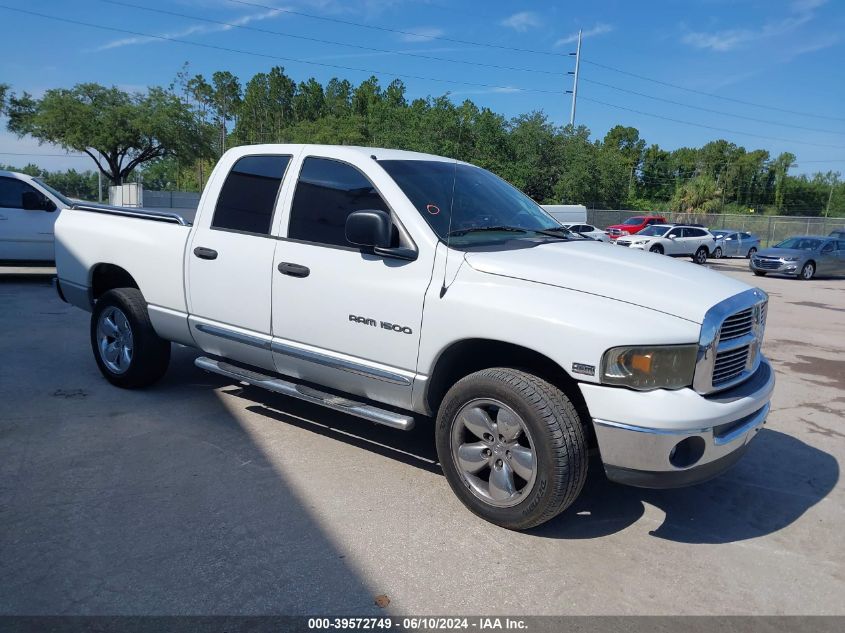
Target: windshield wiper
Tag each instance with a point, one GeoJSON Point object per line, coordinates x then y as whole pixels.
{"type": "Point", "coordinates": [480, 229]}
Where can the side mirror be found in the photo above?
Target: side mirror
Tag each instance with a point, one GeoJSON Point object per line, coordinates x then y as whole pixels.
{"type": "Point", "coordinates": [371, 227]}
{"type": "Point", "coordinates": [33, 201]}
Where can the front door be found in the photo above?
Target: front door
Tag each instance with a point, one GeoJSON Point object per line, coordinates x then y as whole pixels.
{"type": "Point", "coordinates": [25, 234]}
{"type": "Point", "coordinates": [343, 316]}
{"type": "Point", "coordinates": [230, 259]}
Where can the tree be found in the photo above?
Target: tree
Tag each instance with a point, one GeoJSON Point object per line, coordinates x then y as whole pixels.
{"type": "Point", "coordinates": [118, 130]}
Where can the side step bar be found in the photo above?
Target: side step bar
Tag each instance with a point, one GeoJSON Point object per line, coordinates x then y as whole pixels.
{"type": "Point", "coordinates": [360, 409]}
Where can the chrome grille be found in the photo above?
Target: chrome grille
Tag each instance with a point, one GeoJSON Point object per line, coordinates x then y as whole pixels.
{"type": "Point", "coordinates": [737, 325]}
{"type": "Point", "coordinates": [771, 264]}
{"type": "Point", "coordinates": [729, 345]}
{"type": "Point", "coordinates": [730, 364]}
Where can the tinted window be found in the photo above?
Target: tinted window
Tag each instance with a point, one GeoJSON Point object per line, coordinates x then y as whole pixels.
{"type": "Point", "coordinates": [745, 236]}
{"type": "Point", "coordinates": [840, 245]}
{"type": "Point", "coordinates": [248, 196]}
{"type": "Point", "coordinates": [11, 191]}
{"type": "Point", "coordinates": [327, 192]}
{"type": "Point", "coordinates": [828, 247]}
{"type": "Point", "coordinates": [675, 233]}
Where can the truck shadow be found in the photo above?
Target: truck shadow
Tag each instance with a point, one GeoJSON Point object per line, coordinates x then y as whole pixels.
{"type": "Point", "coordinates": [775, 483]}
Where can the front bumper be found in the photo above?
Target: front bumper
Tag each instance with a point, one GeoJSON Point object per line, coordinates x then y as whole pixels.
{"type": "Point", "coordinates": [775, 266]}
{"type": "Point", "coordinates": [657, 450]}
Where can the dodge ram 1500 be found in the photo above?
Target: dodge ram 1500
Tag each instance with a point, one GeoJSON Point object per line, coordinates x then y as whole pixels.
{"type": "Point", "coordinates": [402, 287]}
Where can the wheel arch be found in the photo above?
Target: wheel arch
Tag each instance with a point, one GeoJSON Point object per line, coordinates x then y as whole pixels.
{"type": "Point", "coordinates": [105, 277]}
{"type": "Point", "coordinates": [467, 356]}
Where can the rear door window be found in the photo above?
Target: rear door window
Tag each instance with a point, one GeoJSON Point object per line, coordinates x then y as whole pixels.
{"type": "Point", "coordinates": [327, 192]}
{"type": "Point", "coordinates": [248, 196]}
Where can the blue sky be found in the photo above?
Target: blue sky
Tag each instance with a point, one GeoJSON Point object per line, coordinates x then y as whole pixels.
{"type": "Point", "coordinates": [787, 55]}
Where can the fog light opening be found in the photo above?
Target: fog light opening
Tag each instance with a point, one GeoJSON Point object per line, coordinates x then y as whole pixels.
{"type": "Point", "coordinates": [686, 452]}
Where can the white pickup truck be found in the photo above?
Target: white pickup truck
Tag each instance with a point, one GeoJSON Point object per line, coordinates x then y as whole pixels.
{"type": "Point", "coordinates": [28, 210]}
{"type": "Point", "coordinates": [402, 287]}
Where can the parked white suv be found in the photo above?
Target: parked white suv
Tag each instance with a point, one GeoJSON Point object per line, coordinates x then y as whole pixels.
{"type": "Point", "coordinates": [674, 240]}
{"type": "Point", "coordinates": [28, 210]}
{"type": "Point", "coordinates": [401, 287]}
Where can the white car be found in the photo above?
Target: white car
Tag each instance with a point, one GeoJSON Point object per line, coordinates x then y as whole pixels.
{"type": "Point", "coordinates": [402, 287]}
{"type": "Point", "coordinates": [28, 210]}
{"type": "Point", "coordinates": [673, 240]}
{"type": "Point", "coordinates": [587, 230]}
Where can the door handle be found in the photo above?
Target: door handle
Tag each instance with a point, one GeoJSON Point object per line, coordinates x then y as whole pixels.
{"type": "Point", "coordinates": [205, 253]}
{"type": "Point", "coordinates": [294, 270]}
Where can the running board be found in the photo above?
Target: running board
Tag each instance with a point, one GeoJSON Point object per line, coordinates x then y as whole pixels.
{"type": "Point", "coordinates": [284, 387]}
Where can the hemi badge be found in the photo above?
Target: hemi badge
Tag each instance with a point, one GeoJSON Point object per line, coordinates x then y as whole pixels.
{"type": "Point", "coordinates": [581, 368]}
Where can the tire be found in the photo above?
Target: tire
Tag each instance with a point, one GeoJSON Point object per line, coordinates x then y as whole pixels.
{"type": "Point", "coordinates": [808, 271]}
{"type": "Point", "coordinates": [700, 256]}
{"type": "Point", "coordinates": [751, 252]}
{"type": "Point", "coordinates": [120, 322]}
{"type": "Point", "coordinates": [759, 273]}
{"type": "Point", "coordinates": [527, 414]}
{"type": "Point", "coordinates": [657, 248]}
{"type": "Point", "coordinates": [717, 254]}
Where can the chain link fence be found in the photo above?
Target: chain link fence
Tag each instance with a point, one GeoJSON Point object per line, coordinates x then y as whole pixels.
{"type": "Point", "coordinates": [770, 228]}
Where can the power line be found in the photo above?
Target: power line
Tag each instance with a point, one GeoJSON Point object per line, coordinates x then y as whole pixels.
{"type": "Point", "coordinates": [51, 155]}
{"type": "Point", "coordinates": [709, 127]}
{"type": "Point", "coordinates": [706, 94]}
{"type": "Point", "coordinates": [373, 27]}
{"type": "Point", "coordinates": [276, 57]}
{"type": "Point", "coordinates": [694, 107]}
{"type": "Point", "coordinates": [332, 42]}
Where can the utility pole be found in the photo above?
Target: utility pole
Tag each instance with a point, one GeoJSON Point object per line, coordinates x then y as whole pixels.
{"type": "Point", "coordinates": [830, 195]}
{"type": "Point", "coordinates": [574, 91]}
{"type": "Point", "coordinates": [99, 180]}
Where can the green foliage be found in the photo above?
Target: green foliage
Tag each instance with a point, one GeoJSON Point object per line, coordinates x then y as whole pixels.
{"type": "Point", "coordinates": [118, 130]}
{"type": "Point", "coordinates": [177, 132]}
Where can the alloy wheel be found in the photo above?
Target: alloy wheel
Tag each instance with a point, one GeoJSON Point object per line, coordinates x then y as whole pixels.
{"type": "Point", "coordinates": [114, 340]}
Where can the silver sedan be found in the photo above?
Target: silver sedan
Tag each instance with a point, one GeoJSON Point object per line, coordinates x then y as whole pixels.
{"type": "Point", "coordinates": [735, 244]}
{"type": "Point", "coordinates": [802, 257]}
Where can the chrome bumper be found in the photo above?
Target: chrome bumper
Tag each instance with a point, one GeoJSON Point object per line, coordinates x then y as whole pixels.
{"type": "Point", "coordinates": [683, 454]}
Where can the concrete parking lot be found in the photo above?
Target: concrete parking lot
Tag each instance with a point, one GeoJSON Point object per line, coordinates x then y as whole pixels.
{"type": "Point", "coordinates": [201, 497]}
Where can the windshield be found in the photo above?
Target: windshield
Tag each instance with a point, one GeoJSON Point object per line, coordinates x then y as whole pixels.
{"type": "Point", "coordinates": [652, 231]}
{"type": "Point", "coordinates": [800, 243]}
{"type": "Point", "coordinates": [633, 221]}
{"type": "Point", "coordinates": [483, 206]}
{"type": "Point", "coordinates": [64, 199]}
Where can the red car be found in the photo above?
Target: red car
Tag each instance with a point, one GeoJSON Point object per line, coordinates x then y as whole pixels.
{"type": "Point", "coordinates": [633, 225]}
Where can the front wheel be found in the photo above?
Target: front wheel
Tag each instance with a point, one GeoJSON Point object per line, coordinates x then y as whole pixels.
{"type": "Point", "coordinates": [512, 447]}
{"type": "Point", "coordinates": [700, 256]}
{"type": "Point", "coordinates": [807, 272]}
{"type": "Point", "coordinates": [759, 273]}
{"type": "Point", "coordinates": [127, 349]}
{"type": "Point", "coordinates": [717, 254]}
{"type": "Point", "coordinates": [657, 248]}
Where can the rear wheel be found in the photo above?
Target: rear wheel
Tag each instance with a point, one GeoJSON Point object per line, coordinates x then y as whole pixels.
{"type": "Point", "coordinates": [127, 349]}
{"type": "Point", "coordinates": [807, 271]}
{"type": "Point", "coordinates": [512, 447]}
{"type": "Point", "coordinates": [657, 248]}
{"type": "Point", "coordinates": [717, 254]}
{"type": "Point", "coordinates": [700, 256]}
{"type": "Point", "coordinates": [751, 252]}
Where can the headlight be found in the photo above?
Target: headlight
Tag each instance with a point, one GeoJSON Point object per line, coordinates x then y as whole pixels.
{"type": "Point", "coordinates": [646, 368]}
{"type": "Point", "coordinates": [790, 259]}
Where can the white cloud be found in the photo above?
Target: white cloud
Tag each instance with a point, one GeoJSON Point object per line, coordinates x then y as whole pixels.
{"type": "Point", "coordinates": [195, 29]}
{"type": "Point", "coordinates": [522, 21]}
{"type": "Point", "coordinates": [598, 29]}
{"type": "Point", "coordinates": [421, 34]}
{"type": "Point", "coordinates": [727, 40]}
{"type": "Point", "coordinates": [802, 6]}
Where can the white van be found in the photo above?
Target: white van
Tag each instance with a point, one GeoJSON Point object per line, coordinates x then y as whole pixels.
{"type": "Point", "coordinates": [28, 210]}
{"type": "Point", "coordinates": [567, 213]}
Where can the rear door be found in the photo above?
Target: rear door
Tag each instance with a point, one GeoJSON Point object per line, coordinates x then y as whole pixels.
{"type": "Point", "coordinates": [230, 260]}
{"type": "Point", "coordinates": [25, 234]}
{"type": "Point", "coordinates": [343, 316]}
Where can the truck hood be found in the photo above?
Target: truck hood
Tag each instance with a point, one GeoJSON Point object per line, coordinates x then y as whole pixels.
{"type": "Point", "coordinates": [651, 281]}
